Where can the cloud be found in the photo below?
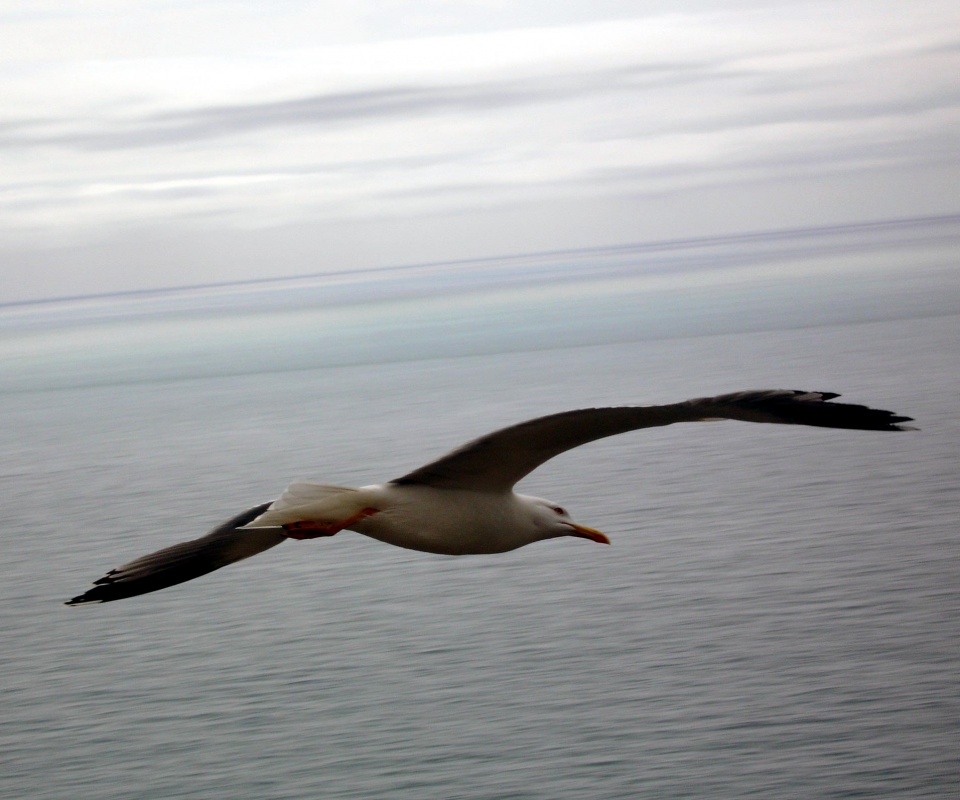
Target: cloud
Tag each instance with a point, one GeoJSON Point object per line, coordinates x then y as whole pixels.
{"type": "Point", "coordinates": [337, 108]}
{"type": "Point", "coordinates": [744, 103]}
{"type": "Point", "coordinates": [765, 92]}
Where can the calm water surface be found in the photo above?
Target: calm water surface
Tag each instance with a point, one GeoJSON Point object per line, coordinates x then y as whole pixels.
{"type": "Point", "coordinates": [778, 616]}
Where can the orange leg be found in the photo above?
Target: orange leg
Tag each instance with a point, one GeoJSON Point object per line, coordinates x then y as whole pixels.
{"type": "Point", "coordinates": [310, 529]}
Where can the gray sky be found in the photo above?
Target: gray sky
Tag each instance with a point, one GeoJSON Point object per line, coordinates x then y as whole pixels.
{"type": "Point", "coordinates": [148, 143]}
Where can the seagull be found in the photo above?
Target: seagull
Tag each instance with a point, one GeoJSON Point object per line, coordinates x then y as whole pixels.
{"type": "Point", "coordinates": [463, 503]}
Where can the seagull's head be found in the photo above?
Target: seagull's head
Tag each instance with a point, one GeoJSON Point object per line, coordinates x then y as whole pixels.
{"type": "Point", "coordinates": [551, 521]}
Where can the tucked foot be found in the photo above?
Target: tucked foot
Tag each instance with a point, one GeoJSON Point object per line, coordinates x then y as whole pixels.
{"type": "Point", "coordinates": [307, 529]}
{"type": "Point", "coordinates": [311, 529]}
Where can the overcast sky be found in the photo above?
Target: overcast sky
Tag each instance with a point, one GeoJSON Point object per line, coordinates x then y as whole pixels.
{"type": "Point", "coordinates": [148, 143]}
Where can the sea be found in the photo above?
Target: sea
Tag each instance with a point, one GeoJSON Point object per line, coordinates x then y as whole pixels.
{"type": "Point", "coordinates": [778, 615]}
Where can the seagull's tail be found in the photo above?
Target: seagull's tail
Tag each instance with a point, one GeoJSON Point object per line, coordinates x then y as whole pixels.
{"type": "Point", "coordinates": [322, 502]}
{"type": "Point", "coordinates": [224, 545]}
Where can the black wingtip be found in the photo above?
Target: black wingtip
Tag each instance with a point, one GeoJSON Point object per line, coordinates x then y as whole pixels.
{"type": "Point", "coordinates": [175, 564]}
{"type": "Point", "coordinates": [82, 600]}
{"type": "Point", "coordinates": [891, 418]}
{"type": "Point", "coordinates": [102, 591]}
{"type": "Point", "coordinates": [846, 415]}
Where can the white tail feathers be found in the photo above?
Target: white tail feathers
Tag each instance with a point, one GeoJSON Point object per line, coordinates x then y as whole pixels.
{"type": "Point", "coordinates": [304, 493]}
{"type": "Point", "coordinates": [319, 502]}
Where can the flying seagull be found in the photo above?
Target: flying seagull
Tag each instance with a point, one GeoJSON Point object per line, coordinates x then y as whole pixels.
{"type": "Point", "coordinates": [463, 503]}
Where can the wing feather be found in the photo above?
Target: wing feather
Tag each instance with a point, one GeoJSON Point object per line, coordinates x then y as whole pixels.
{"type": "Point", "coordinates": [183, 562]}
{"type": "Point", "coordinates": [495, 462]}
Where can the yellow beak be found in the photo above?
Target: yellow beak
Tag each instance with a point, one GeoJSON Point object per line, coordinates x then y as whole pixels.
{"type": "Point", "coordinates": [588, 533]}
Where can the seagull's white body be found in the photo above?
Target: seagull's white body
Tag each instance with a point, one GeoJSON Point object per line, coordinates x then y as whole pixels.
{"type": "Point", "coordinates": [463, 503]}
{"type": "Point", "coordinates": [451, 522]}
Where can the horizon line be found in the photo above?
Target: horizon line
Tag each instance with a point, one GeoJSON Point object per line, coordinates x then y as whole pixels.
{"type": "Point", "coordinates": [648, 246]}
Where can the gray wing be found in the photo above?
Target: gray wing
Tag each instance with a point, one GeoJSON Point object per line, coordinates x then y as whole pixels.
{"type": "Point", "coordinates": [183, 562]}
{"type": "Point", "coordinates": [495, 462]}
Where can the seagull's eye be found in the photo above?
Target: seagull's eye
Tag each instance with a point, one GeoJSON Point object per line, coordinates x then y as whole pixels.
{"type": "Point", "coordinates": [558, 510]}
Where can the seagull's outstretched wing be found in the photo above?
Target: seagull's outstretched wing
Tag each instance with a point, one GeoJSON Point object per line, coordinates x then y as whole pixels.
{"type": "Point", "coordinates": [185, 561]}
{"type": "Point", "coordinates": [495, 462]}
